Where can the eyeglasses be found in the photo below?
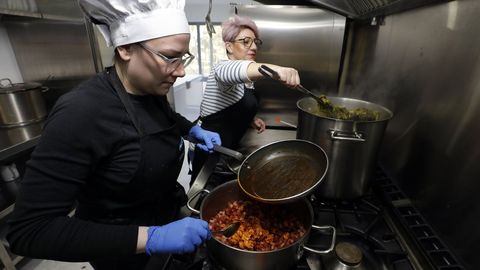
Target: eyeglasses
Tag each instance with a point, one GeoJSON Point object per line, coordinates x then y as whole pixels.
{"type": "Point", "coordinates": [248, 41]}
{"type": "Point", "coordinates": [172, 62]}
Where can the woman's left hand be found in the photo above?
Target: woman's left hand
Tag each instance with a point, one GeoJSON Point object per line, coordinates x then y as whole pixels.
{"type": "Point", "coordinates": [259, 125]}
{"type": "Point", "coordinates": [206, 139]}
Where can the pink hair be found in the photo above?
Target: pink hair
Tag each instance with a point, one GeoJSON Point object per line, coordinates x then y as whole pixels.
{"type": "Point", "coordinates": [233, 26]}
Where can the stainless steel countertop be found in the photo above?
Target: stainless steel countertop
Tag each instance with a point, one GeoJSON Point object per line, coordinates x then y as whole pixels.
{"type": "Point", "coordinates": [252, 141]}
{"type": "Point", "coordinates": [14, 140]}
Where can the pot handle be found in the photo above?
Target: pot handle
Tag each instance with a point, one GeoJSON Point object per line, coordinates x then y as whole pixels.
{"type": "Point", "coordinates": [347, 136]}
{"type": "Point", "coordinates": [223, 150]}
{"type": "Point", "coordinates": [229, 152]}
{"type": "Point", "coordinates": [332, 245]}
{"type": "Point", "coordinates": [191, 208]}
{"type": "Point", "coordinates": [2, 85]}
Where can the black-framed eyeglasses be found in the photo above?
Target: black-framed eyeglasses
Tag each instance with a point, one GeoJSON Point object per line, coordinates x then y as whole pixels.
{"type": "Point", "coordinates": [248, 41]}
{"type": "Point", "coordinates": [172, 62]}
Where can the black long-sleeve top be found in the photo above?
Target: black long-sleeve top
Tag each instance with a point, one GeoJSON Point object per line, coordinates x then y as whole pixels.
{"type": "Point", "coordinates": [87, 130]}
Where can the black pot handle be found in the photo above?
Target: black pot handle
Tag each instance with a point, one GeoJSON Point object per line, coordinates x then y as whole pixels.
{"type": "Point", "coordinates": [229, 152]}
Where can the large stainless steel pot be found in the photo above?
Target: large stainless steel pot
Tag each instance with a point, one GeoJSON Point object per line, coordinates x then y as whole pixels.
{"type": "Point", "coordinates": [21, 103]}
{"type": "Point", "coordinates": [239, 259]}
{"type": "Point", "coordinates": [351, 146]}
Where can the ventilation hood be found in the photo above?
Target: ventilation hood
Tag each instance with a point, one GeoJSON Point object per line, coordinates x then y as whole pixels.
{"type": "Point", "coordinates": [360, 9]}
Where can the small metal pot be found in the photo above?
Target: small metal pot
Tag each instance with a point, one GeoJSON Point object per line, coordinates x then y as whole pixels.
{"type": "Point", "coordinates": [239, 259]}
{"type": "Point", "coordinates": [21, 103]}
{"type": "Point", "coordinates": [345, 256]}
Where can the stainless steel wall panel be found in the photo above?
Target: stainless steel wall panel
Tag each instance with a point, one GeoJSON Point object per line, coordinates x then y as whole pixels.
{"type": "Point", "coordinates": [308, 39]}
{"type": "Point", "coordinates": [424, 65]}
{"type": "Point", "coordinates": [361, 9]}
{"type": "Point", "coordinates": [65, 8]}
{"type": "Point", "coordinates": [48, 47]}
{"type": "Point", "coordinates": [56, 50]}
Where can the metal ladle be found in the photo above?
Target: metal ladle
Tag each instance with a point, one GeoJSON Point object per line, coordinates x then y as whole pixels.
{"type": "Point", "coordinates": [229, 230]}
{"type": "Point", "coordinates": [321, 100]}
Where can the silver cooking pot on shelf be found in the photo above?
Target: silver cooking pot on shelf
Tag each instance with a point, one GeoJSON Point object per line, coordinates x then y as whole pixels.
{"type": "Point", "coordinates": [21, 103]}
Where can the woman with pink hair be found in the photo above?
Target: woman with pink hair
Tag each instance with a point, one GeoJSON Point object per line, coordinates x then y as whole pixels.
{"type": "Point", "coordinates": [229, 103]}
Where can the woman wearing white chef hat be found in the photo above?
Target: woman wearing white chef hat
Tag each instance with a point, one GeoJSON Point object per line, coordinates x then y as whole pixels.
{"type": "Point", "coordinates": [113, 148]}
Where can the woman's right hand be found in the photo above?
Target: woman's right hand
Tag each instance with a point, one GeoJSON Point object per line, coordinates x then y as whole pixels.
{"type": "Point", "coordinates": [181, 236]}
{"type": "Point", "coordinates": [288, 76]}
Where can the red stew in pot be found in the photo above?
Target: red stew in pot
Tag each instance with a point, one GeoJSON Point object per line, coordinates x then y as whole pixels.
{"type": "Point", "coordinates": [264, 227]}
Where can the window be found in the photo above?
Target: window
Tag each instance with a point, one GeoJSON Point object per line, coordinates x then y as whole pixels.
{"type": "Point", "coordinates": [207, 51]}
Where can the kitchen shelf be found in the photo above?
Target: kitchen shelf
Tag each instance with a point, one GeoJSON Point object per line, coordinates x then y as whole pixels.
{"type": "Point", "coordinates": [20, 13]}
{"type": "Point", "coordinates": [38, 15]}
{"type": "Point", "coordinates": [16, 140]}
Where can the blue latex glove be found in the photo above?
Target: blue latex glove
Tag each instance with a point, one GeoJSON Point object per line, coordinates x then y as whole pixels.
{"type": "Point", "coordinates": [205, 138]}
{"type": "Point", "coordinates": [180, 236]}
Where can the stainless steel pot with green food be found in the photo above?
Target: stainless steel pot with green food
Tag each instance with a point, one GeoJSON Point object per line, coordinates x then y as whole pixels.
{"type": "Point", "coordinates": [351, 145]}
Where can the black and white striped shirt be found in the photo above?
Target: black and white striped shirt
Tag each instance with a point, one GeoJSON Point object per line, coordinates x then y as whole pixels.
{"type": "Point", "coordinates": [225, 86]}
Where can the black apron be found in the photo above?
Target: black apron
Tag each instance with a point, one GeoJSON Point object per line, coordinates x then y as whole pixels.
{"type": "Point", "coordinates": [154, 196]}
{"type": "Point", "coordinates": [231, 123]}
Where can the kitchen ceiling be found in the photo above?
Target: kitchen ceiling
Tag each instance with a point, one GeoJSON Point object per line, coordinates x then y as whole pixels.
{"type": "Point", "coordinates": [371, 8]}
{"type": "Point", "coordinates": [359, 9]}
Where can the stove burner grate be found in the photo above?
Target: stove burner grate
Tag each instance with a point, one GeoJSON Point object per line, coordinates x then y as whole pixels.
{"type": "Point", "coordinates": [418, 230]}
{"type": "Point", "coordinates": [362, 231]}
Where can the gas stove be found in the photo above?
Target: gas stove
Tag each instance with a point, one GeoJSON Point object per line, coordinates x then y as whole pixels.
{"type": "Point", "coordinates": [367, 234]}
{"type": "Point", "coordinates": [364, 239]}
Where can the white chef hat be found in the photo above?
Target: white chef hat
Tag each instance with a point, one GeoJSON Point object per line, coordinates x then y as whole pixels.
{"type": "Point", "coordinates": [129, 21]}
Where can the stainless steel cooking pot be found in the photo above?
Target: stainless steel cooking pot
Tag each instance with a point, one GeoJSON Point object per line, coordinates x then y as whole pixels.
{"type": "Point", "coordinates": [21, 103]}
{"type": "Point", "coordinates": [235, 258]}
{"type": "Point", "coordinates": [351, 146]}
